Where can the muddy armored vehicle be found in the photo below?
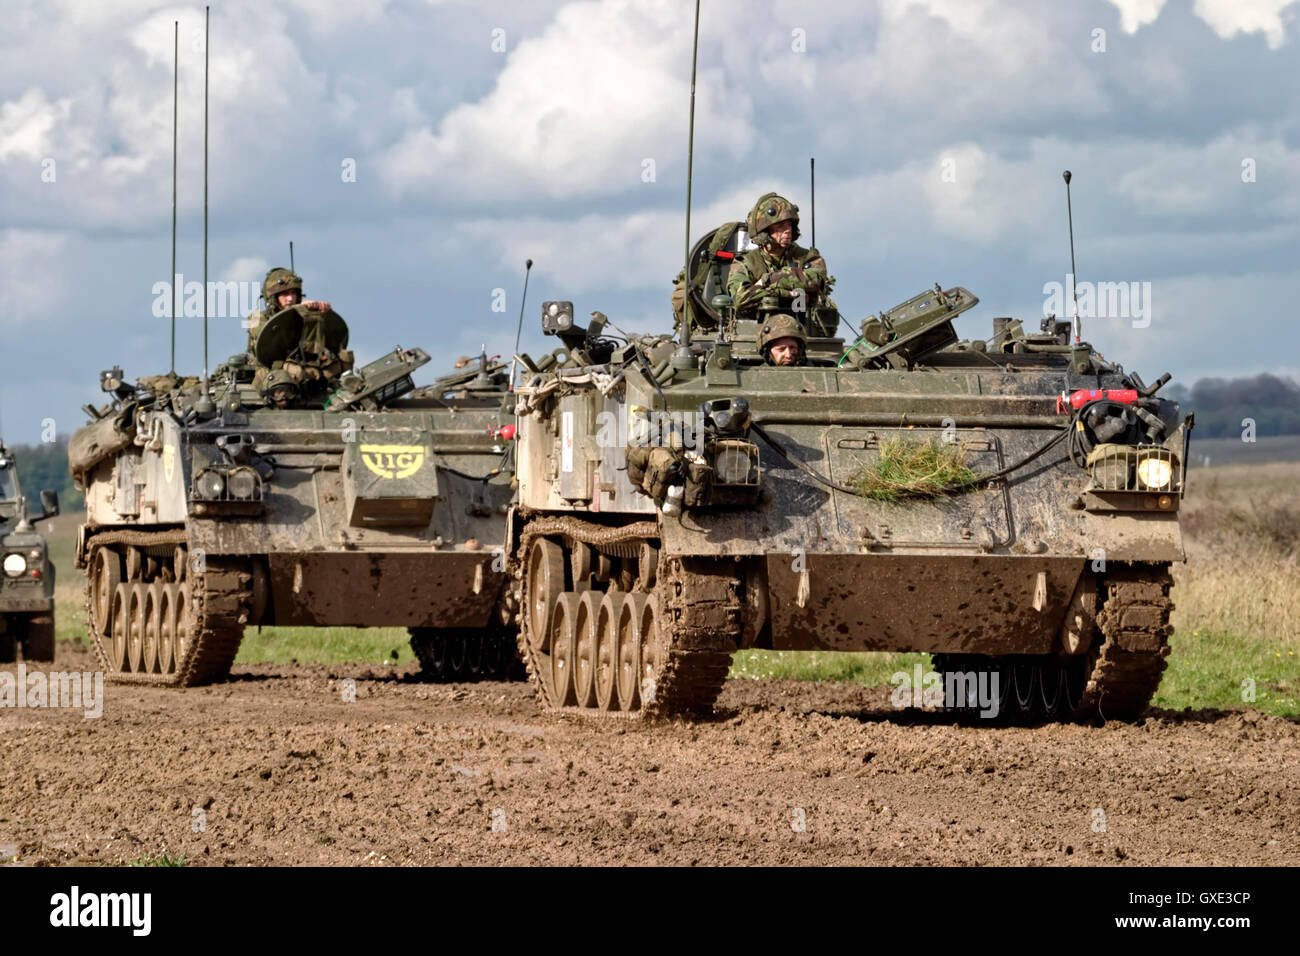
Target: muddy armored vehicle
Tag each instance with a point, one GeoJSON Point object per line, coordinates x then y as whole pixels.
{"type": "Point", "coordinates": [27, 585]}
{"type": "Point", "coordinates": [679, 500]}
{"type": "Point", "coordinates": [295, 490]}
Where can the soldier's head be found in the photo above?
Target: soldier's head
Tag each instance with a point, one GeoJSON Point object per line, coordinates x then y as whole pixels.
{"type": "Point", "coordinates": [782, 340]}
{"type": "Point", "coordinates": [281, 289]}
{"type": "Point", "coordinates": [774, 221]}
{"type": "Point", "coordinates": [280, 389]}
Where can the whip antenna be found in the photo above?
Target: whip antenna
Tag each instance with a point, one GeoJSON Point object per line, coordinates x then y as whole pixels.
{"type": "Point", "coordinates": [528, 267]}
{"type": "Point", "coordinates": [812, 187]}
{"type": "Point", "coordinates": [176, 33]}
{"type": "Point", "coordinates": [206, 401]}
{"type": "Point", "coordinates": [690, 160]}
{"type": "Point", "coordinates": [291, 268]}
{"type": "Point", "coordinates": [1074, 276]}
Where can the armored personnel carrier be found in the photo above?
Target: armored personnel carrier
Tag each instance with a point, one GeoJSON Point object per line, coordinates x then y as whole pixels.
{"type": "Point", "coordinates": [681, 499]}
{"type": "Point", "coordinates": [295, 490]}
{"type": "Point", "coordinates": [27, 585]}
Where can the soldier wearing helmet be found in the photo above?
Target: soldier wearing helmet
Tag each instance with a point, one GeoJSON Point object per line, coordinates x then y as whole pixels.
{"type": "Point", "coordinates": [797, 276]}
{"type": "Point", "coordinates": [782, 340]}
{"type": "Point", "coordinates": [279, 389]}
{"type": "Point", "coordinates": [280, 290]}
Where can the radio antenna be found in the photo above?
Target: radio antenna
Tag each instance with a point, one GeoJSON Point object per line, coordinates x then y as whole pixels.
{"type": "Point", "coordinates": [812, 186]}
{"type": "Point", "coordinates": [291, 268]}
{"type": "Point", "coordinates": [176, 43]}
{"type": "Point", "coordinates": [207, 397]}
{"type": "Point", "coordinates": [1074, 276]}
{"type": "Point", "coordinates": [690, 160]}
{"type": "Point", "coordinates": [528, 267]}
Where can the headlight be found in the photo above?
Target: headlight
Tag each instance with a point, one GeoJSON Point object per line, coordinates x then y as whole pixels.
{"type": "Point", "coordinates": [734, 462]}
{"type": "Point", "coordinates": [210, 484]}
{"type": "Point", "coordinates": [242, 484]}
{"type": "Point", "coordinates": [1112, 474]}
{"type": "Point", "coordinates": [1155, 473]}
{"type": "Point", "coordinates": [15, 565]}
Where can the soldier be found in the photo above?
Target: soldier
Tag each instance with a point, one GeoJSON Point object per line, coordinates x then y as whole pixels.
{"type": "Point", "coordinates": [782, 340]}
{"type": "Point", "coordinates": [280, 389]}
{"type": "Point", "coordinates": [795, 274]}
{"type": "Point", "coordinates": [280, 290]}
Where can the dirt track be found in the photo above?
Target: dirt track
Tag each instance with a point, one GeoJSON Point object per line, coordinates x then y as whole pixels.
{"type": "Point", "coordinates": [409, 773]}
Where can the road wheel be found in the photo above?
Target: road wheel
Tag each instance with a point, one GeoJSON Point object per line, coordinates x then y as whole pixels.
{"type": "Point", "coordinates": [184, 628]}
{"type": "Point", "coordinates": [1051, 689]}
{"type": "Point", "coordinates": [652, 652]}
{"type": "Point", "coordinates": [106, 573]}
{"type": "Point", "coordinates": [584, 647]}
{"type": "Point", "coordinates": [545, 584]}
{"type": "Point", "coordinates": [135, 626]}
{"type": "Point", "coordinates": [611, 608]}
{"type": "Point", "coordinates": [1025, 680]}
{"type": "Point", "coordinates": [152, 626]}
{"type": "Point", "coordinates": [118, 621]}
{"type": "Point", "coordinates": [628, 650]}
{"type": "Point", "coordinates": [561, 641]}
{"type": "Point", "coordinates": [167, 629]}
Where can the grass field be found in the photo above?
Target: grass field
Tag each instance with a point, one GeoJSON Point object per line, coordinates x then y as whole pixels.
{"type": "Point", "coordinates": [1237, 615]}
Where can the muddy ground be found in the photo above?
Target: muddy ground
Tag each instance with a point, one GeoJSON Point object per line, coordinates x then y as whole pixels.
{"type": "Point", "coordinates": [284, 771]}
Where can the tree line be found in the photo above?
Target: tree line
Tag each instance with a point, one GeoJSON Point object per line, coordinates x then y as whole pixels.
{"type": "Point", "coordinates": [46, 466]}
{"type": "Point", "coordinates": [1221, 405]}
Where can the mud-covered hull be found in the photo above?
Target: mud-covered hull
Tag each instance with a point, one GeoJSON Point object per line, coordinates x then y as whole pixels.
{"type": "Point", "coordinates": [1025, 568]}
{"type": "Point", "coordinates": [391, 518]}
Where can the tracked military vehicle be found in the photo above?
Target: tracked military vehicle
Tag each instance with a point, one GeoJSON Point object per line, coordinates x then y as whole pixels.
{"type": "Point", "coordinates": [27, 585]}
{"type": "Point", "coordinates": [319, 496]}
{"type": "Point", "coordinates": [680, 500]}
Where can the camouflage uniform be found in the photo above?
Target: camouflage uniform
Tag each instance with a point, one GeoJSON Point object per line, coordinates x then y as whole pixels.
{"type": "Point", "coordinates": [277, 280]}
{"type": "Point", "coordinates": [782, 326]}
{"type": "Point", "coordinates": [781, 272]}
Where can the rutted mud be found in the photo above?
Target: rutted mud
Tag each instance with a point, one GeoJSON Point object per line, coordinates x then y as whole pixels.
{"type": "Point", "coordinates": [275, 767]}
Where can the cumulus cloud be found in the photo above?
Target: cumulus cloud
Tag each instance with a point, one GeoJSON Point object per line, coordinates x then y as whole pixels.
{"type": "Point", "coordinates": [1135, 14]}
{"type": "Point", "coordinates": [1226, 18]}
{"type": "Point", "coordinates": [27, 125]}
{"type": "Point", "coordinates": [579, 110]}
{"type": "Point", "coordinates": [1229, 17]}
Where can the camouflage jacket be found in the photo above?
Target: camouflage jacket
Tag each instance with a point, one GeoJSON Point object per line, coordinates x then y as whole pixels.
{"type": "Point", "coordinates": [783, 275]}
{"type": "Point", "coordinates": [255, 321]}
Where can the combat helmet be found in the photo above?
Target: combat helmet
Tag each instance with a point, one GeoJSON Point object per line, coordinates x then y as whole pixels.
{"type": "Point", "coordinates": [279, 280]}
{"type": "Point", "coordinates": [783, 325]}
{"type": "Point", "coordinates": [767, 212]}
{"type": "Point", "coordinates": [282, 381]}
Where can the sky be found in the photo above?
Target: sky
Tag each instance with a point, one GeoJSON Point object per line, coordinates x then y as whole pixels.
{"type": "Point", "coordinates": [416, 153]}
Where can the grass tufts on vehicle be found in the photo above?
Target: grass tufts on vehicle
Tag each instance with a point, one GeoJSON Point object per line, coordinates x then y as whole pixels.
{"type": "Point", "coordinates": [911, 469]}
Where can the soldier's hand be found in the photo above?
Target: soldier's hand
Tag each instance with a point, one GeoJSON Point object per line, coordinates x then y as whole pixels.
{"type": "Point", "coordinates": [316, 305]}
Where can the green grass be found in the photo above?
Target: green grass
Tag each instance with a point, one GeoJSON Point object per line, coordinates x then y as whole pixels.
{"type": "Point", "coordinates": [325, 645]}
{"type": "Point", "coordinates": [865, 668]}
{"type": "Point", "coordinates": [911, 469]}
{"type": "Point", "coordinates": [161, 859]}
{"type": "Point", "coordinates": [1208, 668]}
